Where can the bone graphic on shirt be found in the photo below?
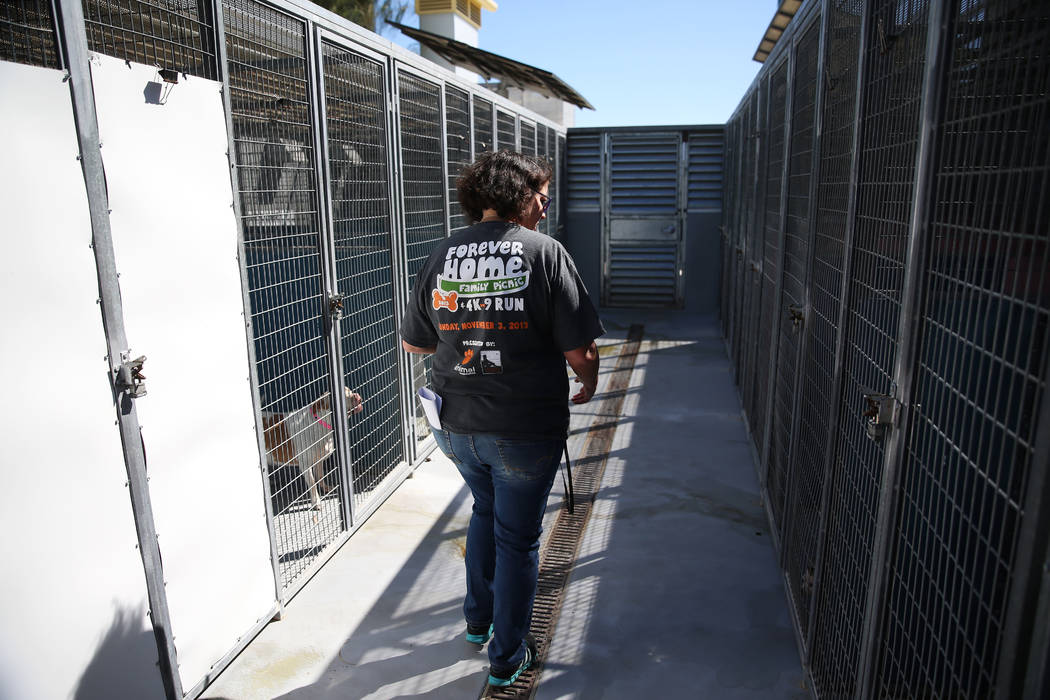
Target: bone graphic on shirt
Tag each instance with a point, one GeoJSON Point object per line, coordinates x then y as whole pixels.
{"type": "Point", "coordinates": [445, 301]}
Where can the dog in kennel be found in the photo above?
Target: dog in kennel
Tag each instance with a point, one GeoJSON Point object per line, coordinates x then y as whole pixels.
{"type": "Point", "coordinates": [303, 439]}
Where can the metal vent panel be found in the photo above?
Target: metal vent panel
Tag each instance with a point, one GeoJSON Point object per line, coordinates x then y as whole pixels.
{"type": "Point", "coordinates": [643, 174]}
{"type": "Point", "coordinates": [584, 163]}
{"type": "Point", "coordinates": [556, 210]}
{"type": "Point", "coordinates": [642, 274]}
{"type": "Point", "coordinates": [705, 171]}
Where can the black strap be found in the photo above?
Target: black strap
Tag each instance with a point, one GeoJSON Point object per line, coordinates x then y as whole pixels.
{"type": "Point", "coordinates": [571, 503]}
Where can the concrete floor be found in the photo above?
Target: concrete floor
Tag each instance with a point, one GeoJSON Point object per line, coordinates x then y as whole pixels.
{"type": "Point", "coordinates": [675, 591]}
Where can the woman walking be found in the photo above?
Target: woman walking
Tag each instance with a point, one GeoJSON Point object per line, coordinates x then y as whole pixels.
{"type": "Point", "coordinates": [502, 308]}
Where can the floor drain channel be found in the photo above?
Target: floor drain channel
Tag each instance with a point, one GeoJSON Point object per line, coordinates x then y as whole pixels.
{"type": "Point", "coordinates": [564, 541]}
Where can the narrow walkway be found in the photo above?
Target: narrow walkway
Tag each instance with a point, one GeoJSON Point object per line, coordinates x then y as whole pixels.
{"type": "Point", "coordinates": [675, 592]}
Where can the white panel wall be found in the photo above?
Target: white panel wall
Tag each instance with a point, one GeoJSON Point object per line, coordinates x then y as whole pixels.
{"type": "Point", "coordinates": [175, 237]}
{"type": "Point", "coordinates": [73, 600]}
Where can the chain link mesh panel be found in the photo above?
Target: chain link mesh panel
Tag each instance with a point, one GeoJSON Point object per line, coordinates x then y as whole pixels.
{"type": "Point", "coordinates": [483, 127]}
{"type": "Point", "coordinates": [839, 79]}
{"type": "Point", "coordinates": [528, 138]}
{"type": "Point", "coordinates": [27, 33]}
{"type": "Point", "coordinates": [982, 361]}
{"type": "Point", "coordinates": [892, 97]}
{"type": "Point", "coordinates": [776, 148]}
{"type": "Point", "coordinates": [506, 138]}
{"type": "Point", "coordinates": [797, 241]}
{"type": "Point", "coordinates": [424, 197]}
{"type": "Point", "coordinates": [740, 270]}
{"type": "Point", "coordinates": [355, 100]}
{"type": "Point", "coordinates": [171, 34]}
{"type": "Point", "coordinates": [732, 159]}
{"type": "Point", "coordinates": [954, 549]}
{"type": "Point", "coordinates": [457, 149]}
{"type": "Point", "coordinates": [753, 196]}
{"type": "Point", "coordinates": [273, 135]}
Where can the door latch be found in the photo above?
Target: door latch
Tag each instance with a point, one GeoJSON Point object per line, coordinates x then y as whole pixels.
{"type": "Point", "coordinates": [130, 377]}
{"type": "Point", "coordinates": [878, 414]}
{"type": "Point", "coordinates": [335, 306]}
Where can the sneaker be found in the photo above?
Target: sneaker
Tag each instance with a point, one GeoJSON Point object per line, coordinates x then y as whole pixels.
{"type": "Point", "coordinates": [501, 678]}
{"type": "Point", "coordinates": [479, 634]}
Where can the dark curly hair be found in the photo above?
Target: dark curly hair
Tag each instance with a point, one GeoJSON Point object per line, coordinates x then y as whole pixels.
{"type": "Point", "coordinates": [501, 180]}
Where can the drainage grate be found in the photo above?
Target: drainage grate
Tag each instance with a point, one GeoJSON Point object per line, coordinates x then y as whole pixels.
{"type": "Point", "coordinates": [559, 553]}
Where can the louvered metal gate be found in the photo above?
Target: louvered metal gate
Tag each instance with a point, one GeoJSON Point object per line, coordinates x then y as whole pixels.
{"type": "Point", "coordinates": [643, 214]}
{"type": "Point", "coordinates": [643, 224]}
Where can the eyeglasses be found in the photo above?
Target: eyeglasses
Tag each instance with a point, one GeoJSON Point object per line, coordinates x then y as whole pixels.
{"type": "Point", "coordinates": [547, 199]}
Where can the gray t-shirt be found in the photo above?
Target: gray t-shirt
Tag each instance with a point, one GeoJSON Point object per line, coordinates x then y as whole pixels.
{"type": "Point", "coordinates": [502, 304]}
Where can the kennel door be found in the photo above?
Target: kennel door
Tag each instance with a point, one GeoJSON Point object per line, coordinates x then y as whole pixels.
{"type": "Point", "coordinates": [175, 241]}
{"type": "Point", "coordinates": [74, 600]}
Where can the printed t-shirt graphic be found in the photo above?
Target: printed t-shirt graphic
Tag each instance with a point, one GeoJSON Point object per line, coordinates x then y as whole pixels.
{"type": "Point", "coordinates": [474, 273]}
{"type": "Point", "coordinates": [501, 304]}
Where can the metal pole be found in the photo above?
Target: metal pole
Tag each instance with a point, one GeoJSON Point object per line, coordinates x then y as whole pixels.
{"type": "Point", "coordinates": [443, 124]}
{"type": "Point", "coordinates": [937, 48]}
{"type": "Point", "coordinates": [253, 378]}
{"type": "Point", "coordinates": [70, 21]}
{"type": "Point", "coordinates": [399, 255]}
{"type": "Point", "coordinates": [840, 329]}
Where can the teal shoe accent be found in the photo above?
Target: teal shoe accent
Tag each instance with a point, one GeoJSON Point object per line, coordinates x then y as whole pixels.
{"type": "Point", "coordinates": [530, 656]}
{"type": "Point", "coordinates": [475, 637]}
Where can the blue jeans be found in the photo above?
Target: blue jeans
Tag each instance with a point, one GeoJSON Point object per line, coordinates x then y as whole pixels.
{"type": "Point", "coordinates": [510, 479]}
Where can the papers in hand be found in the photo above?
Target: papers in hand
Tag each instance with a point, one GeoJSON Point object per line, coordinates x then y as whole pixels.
{"type": "Point", "coordinates": [431, 406]}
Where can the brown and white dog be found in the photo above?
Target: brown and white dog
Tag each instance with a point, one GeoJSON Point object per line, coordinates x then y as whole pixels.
{"type": "Point", "coordinates": [303, 438]}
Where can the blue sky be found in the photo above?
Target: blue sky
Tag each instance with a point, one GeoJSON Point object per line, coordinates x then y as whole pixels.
{"type": "Point", "coordinates": [638, 62]}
